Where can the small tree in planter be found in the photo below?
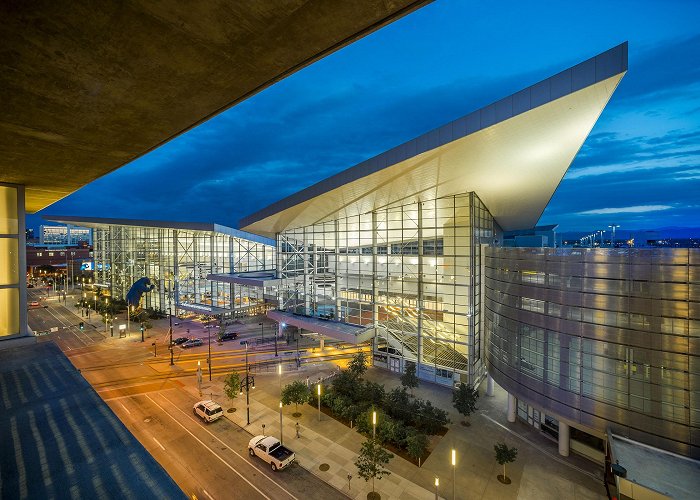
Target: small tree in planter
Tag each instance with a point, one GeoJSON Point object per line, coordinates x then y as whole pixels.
{"type": "Point", "coordinates": [232, 385]}
{"type": "Point", "coordinates": [370, 463]}
{"type": "Point", "coordinates": [296, 393]}
{"type": "Point", "coordinates": [409, 379]}
{"type": "Point", "coordinates": [504, 455]}
{"type": "Point", "coordinates": [358, 365]}
{"type": "Point", "coordinates": [464, 401]}
{"type": "Point", "coordinates": [416, 445]}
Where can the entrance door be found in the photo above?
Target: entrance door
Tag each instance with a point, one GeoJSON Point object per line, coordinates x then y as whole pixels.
{"type": "Point", "coordinates": [395, 364]}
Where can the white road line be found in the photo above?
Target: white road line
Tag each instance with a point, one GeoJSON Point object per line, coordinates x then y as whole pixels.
{"type": "Point", "coordinates": [212, 451]}
{"type": "Point", "coordinates": [225, 444]}
{"type": "Point", "coordinates": [126, 410]}
{"type": "Point", "coordinates": [207, 494]}
{"type": "Point", "coordinates": [161, 446]}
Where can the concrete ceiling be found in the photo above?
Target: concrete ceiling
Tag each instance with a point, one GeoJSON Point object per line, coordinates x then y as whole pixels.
{"type": "Point", "coordinates": [90, 86]}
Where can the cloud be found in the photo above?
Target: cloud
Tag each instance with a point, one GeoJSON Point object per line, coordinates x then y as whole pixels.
{"type": "Point", "coordinates": [638, 209]}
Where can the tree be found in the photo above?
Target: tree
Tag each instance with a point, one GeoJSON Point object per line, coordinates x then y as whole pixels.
{"type": "Point", "coordinates": [464, 400]}
{"type": "Point", "coordinates": [232, 385]}
{"type": "Point", "coordinates": [371, 461]}
{"type": "Point", "coordinates": [296, 393]}
{"type": "Point", "coordinates": [409, 378]}
{"type": "Point", "coordinates": [504, 455]}
{"type": "Point", "coordinates": [358, 365]}
{"type": "Point", "coordinates": [416, 445]}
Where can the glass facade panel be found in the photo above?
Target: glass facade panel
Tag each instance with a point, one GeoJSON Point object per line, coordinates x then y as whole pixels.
{"type": "Point", "coordinates": [411, 270]}
{"type": "Point", "coordinates": [180, 260]}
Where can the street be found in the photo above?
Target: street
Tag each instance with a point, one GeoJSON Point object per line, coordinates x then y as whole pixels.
{"type": "Point", "coordinates": [149, 397]}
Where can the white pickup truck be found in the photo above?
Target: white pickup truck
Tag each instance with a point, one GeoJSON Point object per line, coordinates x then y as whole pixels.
{"type": "Point", "coordinates": [271, 450]}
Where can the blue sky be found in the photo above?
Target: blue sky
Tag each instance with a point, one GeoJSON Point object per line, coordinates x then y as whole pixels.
{"type": "Point", "coordinates": [639, 167]}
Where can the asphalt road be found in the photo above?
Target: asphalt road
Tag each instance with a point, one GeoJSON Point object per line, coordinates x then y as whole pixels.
{"type": "Point", "coordinates": [208, 461]}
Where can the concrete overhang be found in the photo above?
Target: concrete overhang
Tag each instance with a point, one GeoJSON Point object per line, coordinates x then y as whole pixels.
{"type": "Point", "coordinates": [512, 153]}
{"type": "Point", "coordinates": [203, 309]}
{"type": "Point", "coordinates": [88, 87]}
{"type": "Point", "coordinates": [259, 279]}
{"type": "Point", "coordinates": [345, 332]}
{"type": "Point", "coordinates": [105, 222]}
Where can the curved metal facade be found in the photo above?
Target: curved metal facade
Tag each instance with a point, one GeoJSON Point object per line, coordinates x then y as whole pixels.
{"type": "Point", "coordinates": [600, 338]}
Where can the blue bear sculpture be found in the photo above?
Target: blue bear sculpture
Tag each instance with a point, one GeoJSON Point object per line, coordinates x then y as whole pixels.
{"type": "Point", "coordinates": [133, 298]}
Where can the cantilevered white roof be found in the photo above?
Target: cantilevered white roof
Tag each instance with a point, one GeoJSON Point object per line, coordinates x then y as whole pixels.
{"type": "Point", "coordinates": [512, 153]}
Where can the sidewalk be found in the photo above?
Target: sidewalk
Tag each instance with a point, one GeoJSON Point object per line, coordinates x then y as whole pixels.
{"type": "Point", "coordinates": [538, 473]}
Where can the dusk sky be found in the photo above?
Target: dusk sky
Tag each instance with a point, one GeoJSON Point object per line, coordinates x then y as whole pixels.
{"type": "Point", "coordinates": [638, 168]}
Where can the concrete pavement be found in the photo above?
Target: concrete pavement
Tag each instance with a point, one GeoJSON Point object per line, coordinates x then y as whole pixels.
{"type": "Point", "coordinates": [538, 473]}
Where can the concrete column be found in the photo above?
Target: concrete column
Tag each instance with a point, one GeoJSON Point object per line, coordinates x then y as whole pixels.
{"type": "Point", "coordinates": [512, 406]}
{"type": "Point", "coordinates": [321, 342]}
{"type": "Point", "coordinates": [489, 385]}
{"type": "Point", "coordinates": [564, 432]}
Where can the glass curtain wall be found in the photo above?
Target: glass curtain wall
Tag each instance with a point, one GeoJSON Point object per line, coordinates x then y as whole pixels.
{"type": "Point", "coordinates": [178, 260]}
{"type": "Point", "coordinates": [412, 270]}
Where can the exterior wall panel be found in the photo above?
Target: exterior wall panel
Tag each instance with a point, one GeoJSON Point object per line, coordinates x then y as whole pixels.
{"type": "Point", "coordinates": [601, 338]}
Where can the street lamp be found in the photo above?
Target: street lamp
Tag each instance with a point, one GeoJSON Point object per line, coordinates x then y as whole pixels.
{"type": "Point", "coordinates": [199, 377]}
{"type": "Point", "coordinates": [454, 473]}
{"type": "Point", "coordinates": [374, 425]}
{"type": "Point", "coordinates": [247, 382]}
{"type": "Point", "coordinates": [209, 336]}
{"type": "Point", "coordinates": [281, 432]}
{"type": "Point", "coordinates": [106, 314]}
{"type": "Point", "coordinates": [262, 334]}
{"type": "Point", "coordinates": [170, 318]}
{"type": "Point", "coordinates": [613, 227]}
{"type": "Point", "coordinates": [318, 392]}
{"type": "Point", "coordinates": [437, 486]}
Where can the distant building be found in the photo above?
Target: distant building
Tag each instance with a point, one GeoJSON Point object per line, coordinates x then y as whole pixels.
{"type": "Point", "coordinates": [65, 235]}
{"type": "Point", "coordinates": [538, 236]}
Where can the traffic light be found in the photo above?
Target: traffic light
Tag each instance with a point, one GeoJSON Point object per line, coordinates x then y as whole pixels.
{"type": "Point", "coordinates": [82, 326]}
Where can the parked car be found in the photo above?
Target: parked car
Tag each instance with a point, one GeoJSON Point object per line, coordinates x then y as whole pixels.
{"type": "Point", "coordinates": [180, 340]}
{"type": "Point", "coordinates": [208, 410]}
{"type": "Point", "coordinates": [228, 336]}
{"type": "Point", "coordinates": [271, 451]}
{"type": "Point", "coordinates": [192, 343]}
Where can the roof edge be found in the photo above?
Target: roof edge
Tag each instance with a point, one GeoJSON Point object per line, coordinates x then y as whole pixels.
{"type": "Point", "coordinates": [606, 65]}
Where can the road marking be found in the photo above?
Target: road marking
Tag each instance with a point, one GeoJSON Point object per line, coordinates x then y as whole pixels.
{"type": "Point", "coordinates": [126, 410]}
{"type": "Point", "coordinates": [161, 446]}
{"type": "Point", "coordinates": [212, 451]}
{"type": "Point", "coordinates": [207, 494]}
{"type": "Point", "coordinates": [245, 459]}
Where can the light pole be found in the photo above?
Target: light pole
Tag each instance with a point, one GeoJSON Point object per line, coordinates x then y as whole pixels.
{"type": "Point", "coordinates": [276, 333]}
{"type": "Point", "coordinates": [281, 432]}
{"type": "Point", "coordinates": [374, 425]}
{"type": "Point", "coordinates": [128, 318]}
{"type": "Point", "coordinates": [247, 382]}
{"type": "Point", "coordinates": [106, 316]}
{"type": "Point", "coordinates": [209, 335]}
{"type": "Point", "coordinates": [437, 486]}
{"type": "Point", "coordinates": [613, 227]}
{"type": "Point", "coordinates": [262, 332]}
{"type": "Point", "coordinates": [279, 373]}
{"type": "Point", "coordinates": [170, 317]}
{"type": "Point", "coordinates": [454, 473]}
{"type": "Point", "coordinates": [199, 377]}
{"type": "Point", "coordinates": [318, 392]}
